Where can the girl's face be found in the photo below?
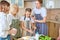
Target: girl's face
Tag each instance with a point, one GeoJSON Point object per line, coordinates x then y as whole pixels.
{"type": "Point", "coordinates": [38, 5]}
{"type": "Point", "coordinates": [28, 14]}
{"type": "Point", "coordinates": [15, 10]}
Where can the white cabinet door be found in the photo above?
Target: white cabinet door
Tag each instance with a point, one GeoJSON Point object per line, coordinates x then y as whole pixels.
{"type": "Point", "coordinates": [56, 3]}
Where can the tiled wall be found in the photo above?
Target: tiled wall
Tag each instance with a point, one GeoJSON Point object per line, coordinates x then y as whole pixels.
{"type": "Point", "coordinates": [54, 14]}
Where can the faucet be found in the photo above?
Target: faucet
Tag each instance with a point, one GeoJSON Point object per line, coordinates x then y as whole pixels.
{"type": "Point", "coordinates": [56, 18]}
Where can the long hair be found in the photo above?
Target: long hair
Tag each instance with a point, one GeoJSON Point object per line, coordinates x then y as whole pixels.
{"type": "Point", "coordinates": [40, 1]}
{"type": "Point", "coordinates": [14, 6]}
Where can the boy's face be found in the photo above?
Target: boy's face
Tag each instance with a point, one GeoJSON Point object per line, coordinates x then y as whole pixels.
{"type": "Point", "coordinates": [28, 13]}
{"type": "Point", "coordinates": [3, 8]}
{"type": "Point", "coordinates": [7, 8]}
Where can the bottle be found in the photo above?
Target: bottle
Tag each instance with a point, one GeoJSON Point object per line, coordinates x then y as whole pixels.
{"type": "Point", "coordinates": [37, 36]}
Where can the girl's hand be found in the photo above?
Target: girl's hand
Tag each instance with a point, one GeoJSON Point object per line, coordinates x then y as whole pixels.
{"type": "Point", "coordinates": [31, 31]}
{"type": "Point", "coordinates": [33, 17]}
{"type": "Point", "coordinates": [34, 28]}
{"type": "Point", "coordinates": [13, 31]}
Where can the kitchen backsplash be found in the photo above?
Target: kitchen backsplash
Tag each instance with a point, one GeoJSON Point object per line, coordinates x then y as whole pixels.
{"type": "Point", "coordinates": [53, 14]}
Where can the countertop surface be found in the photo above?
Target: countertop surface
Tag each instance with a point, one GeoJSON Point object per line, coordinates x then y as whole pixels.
{"type": "Point", "coordinates": [58, 22]}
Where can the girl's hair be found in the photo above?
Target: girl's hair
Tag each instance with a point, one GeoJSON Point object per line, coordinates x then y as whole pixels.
{"type": "Point", "coordinates": [15, 6]}
{"type": "Point", "coordinates": [28, 9]}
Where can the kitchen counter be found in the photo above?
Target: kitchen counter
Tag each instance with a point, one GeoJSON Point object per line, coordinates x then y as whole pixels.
{"type": "Point", "coordinates": [53, 28]}
{"type": "Point", "coordinates": [52, 8]}
{"type": "Point", "coordinates": [58, 22]}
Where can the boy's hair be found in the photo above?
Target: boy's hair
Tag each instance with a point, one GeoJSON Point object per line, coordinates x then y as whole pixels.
{"type": "Point", "coordinates": [5, 3]}
{"type": "Point", "coordinates": [28, 9]}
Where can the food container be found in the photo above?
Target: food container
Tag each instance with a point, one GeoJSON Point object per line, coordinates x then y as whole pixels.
{"type": "Point", "coordinates": [32, 38]}
{"type": "Point", "coordinates": [14, 30]}
{"type": "Point", "coordinates": [27, 38]}
{"type": "Point", "coordinates": [20, 39]}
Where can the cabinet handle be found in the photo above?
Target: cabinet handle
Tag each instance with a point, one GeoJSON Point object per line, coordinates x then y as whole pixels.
{"type": "Point", "coordinates": [54, 25]}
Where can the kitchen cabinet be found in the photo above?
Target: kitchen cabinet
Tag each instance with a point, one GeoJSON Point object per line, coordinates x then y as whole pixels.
{"type": "Point", "coordinates": [53, 29]}
{"type": "Point", "coordinates": [53, 22]}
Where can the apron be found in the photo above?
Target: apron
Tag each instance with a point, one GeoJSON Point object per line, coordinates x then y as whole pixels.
{"type": "Point", "coordinates": [16, 24]}
{"type": "Point", "coordinates": [27, 24]}
{"type": "Point", "coordinates": [41, 27]}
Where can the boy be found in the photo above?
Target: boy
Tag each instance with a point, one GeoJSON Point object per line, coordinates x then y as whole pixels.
{"type": "Point", "coordinates": [4, 26]}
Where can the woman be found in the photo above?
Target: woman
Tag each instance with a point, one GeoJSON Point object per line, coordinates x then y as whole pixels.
{"type": "Point", "coordinates": [40, 14]}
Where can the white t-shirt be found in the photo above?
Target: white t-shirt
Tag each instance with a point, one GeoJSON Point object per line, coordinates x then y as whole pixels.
{"type": "Point", "coordinates": [41, 11]}
{"type": "Point", "coordinates": [22, 19]}
{"type": "Point", "coordinates": [3, 25]}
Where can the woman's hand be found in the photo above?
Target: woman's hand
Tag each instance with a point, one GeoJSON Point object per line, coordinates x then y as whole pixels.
{"type": "Point", "coordinates": [33, 17]}
{"type": "Point", "coordinates": [41, 21]}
